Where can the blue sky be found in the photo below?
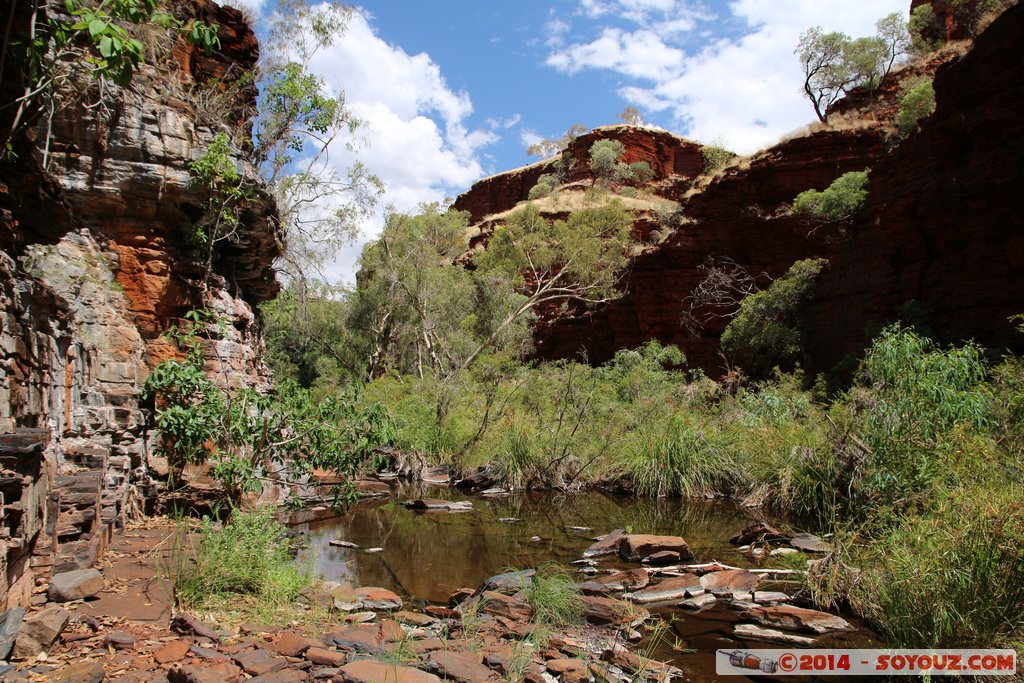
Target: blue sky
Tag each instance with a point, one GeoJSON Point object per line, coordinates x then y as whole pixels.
{"type": "Point", "coordinates": [455, 90]}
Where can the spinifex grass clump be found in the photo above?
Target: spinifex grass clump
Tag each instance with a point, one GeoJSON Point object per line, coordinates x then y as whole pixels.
{"type": "Point", "coordinates": [553, 596]}
{"type": "Point", "coordinates": [678, 459]}
{"type": "Point", "coordinates": [243, 567]}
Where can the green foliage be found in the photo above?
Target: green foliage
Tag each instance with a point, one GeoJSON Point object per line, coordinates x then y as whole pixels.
{"type": "Point", "coordinates": [546, 184]}
{"type": "Point", "coordinates": [918, 102]}
{"type": "Point", "coordinates": [53, 53]}
{"type": "Point", "coordinates": [674, 458]}
{"type": "Point", "coordinates": [766, 331]}
{"type": "Point", "coordinates": [241, 434]}
{"type": "Point", "coordinates": [840, 201]}
{"type": "Point", "coordinates": [636, 173]}
{"type": "Point", "coordinates": [963, 561]}
{"type": "Point", "coordinates": [604, 157]}
{"type": "Point", "coordinates": [553, 596]}
{"type": "Point", "coordinates": [926, 411]}
{"type": "Point", "coordinates": [926, 31]}
{"type": "Point", "coordinates": [716, 155]}
{"type": "Point", "coordinates": [299, 119]}
{"type": "Point", "coordinates": [245, 564]}
{"type": "Point", "coordinates": [833, 63]}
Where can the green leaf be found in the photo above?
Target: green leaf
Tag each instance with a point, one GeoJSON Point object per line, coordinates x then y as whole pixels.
{"type": "Point", "coordinates": [96, 27]}
{"type": "Point", "coordinates": [106, 46]}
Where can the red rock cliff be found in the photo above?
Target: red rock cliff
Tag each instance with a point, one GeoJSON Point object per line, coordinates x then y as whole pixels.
{"type": "Point", "coordinates": [94, 267]}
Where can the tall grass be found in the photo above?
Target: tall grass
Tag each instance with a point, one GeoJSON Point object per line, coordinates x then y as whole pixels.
{"type": "Point", "coordinates": [952, 577]}
{"type": "Point", "coordinates": [679, 459]}
{"type": "Point", "coordinates": [553, 596]}
{"type": "Point", "coordinates": [243, 566]}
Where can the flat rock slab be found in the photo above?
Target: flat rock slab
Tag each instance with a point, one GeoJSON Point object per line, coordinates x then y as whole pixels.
{"type": "Point", "coordinates": [752, 632]}
{"type": "Point", "coordinates": [372, 671]}
{"type": "Point", "coordinates": [501, 605]}
{"type": "Point", "coordinates": [605, 545]}
{"type": "Point", "coordinates": [607, 611]}
{"type": "Point", "coordinates": [147, 602]}
{"type": "Point", "coordinates": [663, 557]}
{"type": "Point", "coordinates": [378, 598]}
{"type": "Point", "coordinates": [76, 585]}
{"type": "Point", "coordinates": [259, 662]}
{"type": "Point", "coordinates": [509, 580]}
{"type": "Point", "coordinates": [464, 667]}
{"type": "Point", "coordinates": [82, 672]}
{"type": "Point", "coordinates": [436, 504]}
{"type": "Point", "coordinates": [758, 531]}
{"type": "Point", "coordinates": [635, 547]}
{"type": "Point", "coordinates": [676, 588]}
{"type": "Point", "coordinates": [699, 602]}
{"type": "Point", "coordinates": [631, 580]}
{"type": "Point", "coordinates": [732, 580]}
{"type": "Point", "coordinates": [809, 543]}
{"type": "Point", "coordinates": [795, 619]}
{"type": "Point", "coordinates": [357, 638]}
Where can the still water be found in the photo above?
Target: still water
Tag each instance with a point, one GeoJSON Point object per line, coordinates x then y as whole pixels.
{"type": "Point", "coordinates": [426, 556]}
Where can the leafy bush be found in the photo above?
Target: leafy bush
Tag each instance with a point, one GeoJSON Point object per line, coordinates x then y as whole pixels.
{"type": "Point", "coordinates": [245, 564]}
{"type": "Point", "coordinates": [716, 156]}
{"type": "Point", "coordinates": [918, 102]}
{"type": "Point", "coordinates": [766, 331]}
{"type": "Point", "coordinates": [604, 157]}
{"type": "Point", "coordinates": [637, 173]}
{"type": "Point", "coordinates": [923, 415]}
{"type": "Point", "coordinates": [840, 201]}
{"type": "Point", "coordinates": [546, 184]}
{"type": "Point", "coordinates": [926, 31]}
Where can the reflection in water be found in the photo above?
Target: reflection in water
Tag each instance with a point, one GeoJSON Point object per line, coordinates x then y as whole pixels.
{"type": "Point", "coordinates": [428, 555]}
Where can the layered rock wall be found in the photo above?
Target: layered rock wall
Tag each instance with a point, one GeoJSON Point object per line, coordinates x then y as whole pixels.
{"type": "Point", "coordinates": [96, 266]}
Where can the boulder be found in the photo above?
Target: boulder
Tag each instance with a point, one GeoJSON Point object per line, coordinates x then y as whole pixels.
{"type": "Point", "coordinates": [292, 644]}
{"type": "Point", "coordinates": [635, 547]}
{"type": "Point", "coordinates": [501, 605]}
{"type": "Point", "coordinates": [795, 619]}
{"type": "Point", "coordinates": [259, 662]}
{"type": "Point", "coordinates": [509, 580]}
{"type": "Point", "coordinates": [355, 638]}
{"type": "Point", "coordinates": [120, 640]}
{"type": "Point", "coordinates": [605, 545]}
{"type": "Point", "coordinates": [608, 611]}
{"type": "Point", "coordinates": [76, 585]}
{"type": "Point", "coordinates": [10, 623]}
{"type": "Point", "coordinates": [324, 657]}
{"type": "Point", "coordinates": [81, 672]}
{"type": "Point", "coordinates": [39, 631]}
{"type": "Point", "coordinates": [699, 601]}
{"type": "Point", "coordinates": [187, 625]}
{"type": "Point", "coordinates": [663, 557]}
{"type": "Point", "coordinates": [172, 651]}
{"type": "Point", "coordinates": [809, 543]}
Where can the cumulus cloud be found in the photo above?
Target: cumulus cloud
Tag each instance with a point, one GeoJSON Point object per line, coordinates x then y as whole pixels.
{"type": "Point", "coordinates": [745, 88]}
{"type": "Point", "coordinates": [415, 137]}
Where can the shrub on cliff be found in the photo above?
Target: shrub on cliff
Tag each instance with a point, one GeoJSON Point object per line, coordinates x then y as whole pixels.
{"type": "Point", "coordinates": [716, 155]}
{"type": "Point", "coordinates": [766, 331]}
{"type": "Point", "coordinates": [840, 201]}
{"type": "Point", "coordinates": [546, 184]}
{"type": "Point", "coordinates": [918, 102]}
{"type": "Point", "coordinates": [604, 158]}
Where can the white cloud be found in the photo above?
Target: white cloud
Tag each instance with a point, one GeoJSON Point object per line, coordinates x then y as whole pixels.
{"type": "Point", "coordinates": [746, 89]}
{"type": "Point", "coordinates": [509, 122]}
{"type": "Point", "coordinates": [417, 139]}
{"type": "Point", "coordinates": [530, 137]}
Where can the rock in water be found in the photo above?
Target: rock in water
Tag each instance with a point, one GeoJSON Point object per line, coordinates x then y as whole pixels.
{"type": "Point", "coordinates": [770, 635]}
{"type": "Point", "coordinates": [635, 547]}
{"type": "Point", "coordinates": [76, 585]}
{"type": "Point", "coordinates": [796, 619]}
{"type": "Point", "coordinates": [676, 588]}
{"type": "Point", "coordinates": [758, 531]}
{"type": "Point", "coordinates": [809, 543]}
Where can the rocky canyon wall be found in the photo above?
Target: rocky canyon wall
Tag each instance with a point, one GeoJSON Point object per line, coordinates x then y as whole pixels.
{"type": "Point", "coordinates": [95, 267]}
{"type": "Point", "coordinates": [943, 225]}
